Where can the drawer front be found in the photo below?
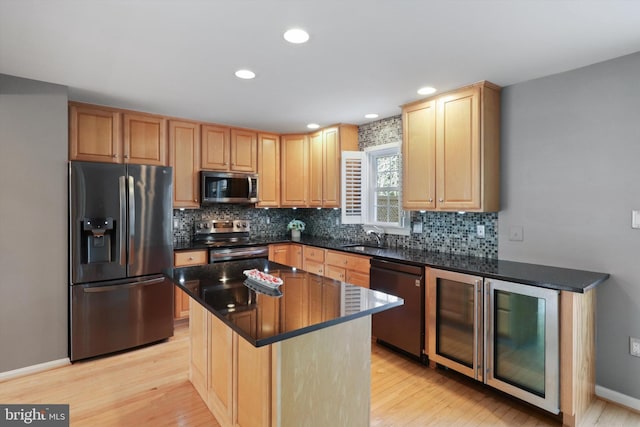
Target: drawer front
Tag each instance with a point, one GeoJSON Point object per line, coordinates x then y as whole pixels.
{"type": "Point", "coordinates": [336, 273]}
{"type": "Point", "coordinates": [358, 278]}
{"type": "Point", "coordinates": [350, 262]}
{"type": "Point", "coordinates": [313, 267]}
{"type": "Point", "coordinates": [187, 258]}
{"type": "Point", "coordinates": [314, 254]}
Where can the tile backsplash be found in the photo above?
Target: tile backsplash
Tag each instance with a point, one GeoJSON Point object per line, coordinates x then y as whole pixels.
{"type": "Point", "coordinates": [448, 232]}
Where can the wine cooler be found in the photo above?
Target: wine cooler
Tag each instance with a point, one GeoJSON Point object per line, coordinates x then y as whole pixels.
{"type": "Point", "coordinates": [501, 333]}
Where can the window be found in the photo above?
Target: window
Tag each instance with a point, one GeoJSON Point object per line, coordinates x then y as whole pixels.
{"type": "Point", "coordinates": [372, 188]}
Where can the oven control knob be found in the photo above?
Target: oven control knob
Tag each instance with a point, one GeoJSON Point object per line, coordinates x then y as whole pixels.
{"type": "Point", "coordinates": [200, 226]}
{"type": "Point", "coordinates": [245, 225]}
{"type": "Point", "coordinates": [206, 225]}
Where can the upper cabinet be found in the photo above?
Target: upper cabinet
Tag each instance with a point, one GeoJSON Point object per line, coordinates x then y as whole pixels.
{"type": "Point", "coordinates": [101, 134]}
{"type": "Point", "coordinates": [325, 148]}
{"type": "Point", "coordinates": [244, 150]}
{"type": "Point", "coordinates": [294, 158]}
{"type": "Point", "coordinates": [184, 157]}
{"type": "Point", "coordinates": [229, 150]}
{"type": "Point", "coordinates": [145, 139]}
{"type": "Point", "coordinates": [94, 134]}
{"type": "Point", "coordinates": [215, 148]}
{"type": "Point", "coordinates": [451, 151]}
{"type": "Point", "coordinates": [268, 170]}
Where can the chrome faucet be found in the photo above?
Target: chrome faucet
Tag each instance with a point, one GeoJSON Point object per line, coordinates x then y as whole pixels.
{"type": "Point", "coordinates": [378, 233]}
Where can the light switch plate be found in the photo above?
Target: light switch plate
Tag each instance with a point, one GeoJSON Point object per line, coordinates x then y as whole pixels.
{"type": "Point", "coordinates": [635, 219]}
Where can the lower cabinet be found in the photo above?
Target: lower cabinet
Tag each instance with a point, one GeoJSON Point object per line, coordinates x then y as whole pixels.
{"type": "Point", "coordinates": [185, 259]}
{"type": "Point", "coordinates": [218, 355]}
{"type": "Point", "coordinates": [336, 265]}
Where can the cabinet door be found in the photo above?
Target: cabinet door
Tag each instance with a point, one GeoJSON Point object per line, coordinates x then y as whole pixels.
{"type": "Point", "coordinates": [268, 170]}
{"type": "Point", "coordinates": [244, 151]}
{"type": "Point", "coordinates": [358, 278]}
{"type": "Point", "coordinates": [458, 150]}
{"type": "Point", "coordinates": [295, 256]}
{"type": "Point", "coordinates": [94, 134]}
{"type": "Point", "coordinates": [145, 139]}
{"type": "Point", "coordinates": [419, 156]}
{"type": "Point", "coordinates": [220, 384]}
{"type": "Point", "coordinates": [253, 384]}
{"type": "Point", "coordinates": [331, 168]}
{"type": "Point", "coordinates": [336, 273]}
{"type": "Point", "coordinates": [314, 267]}
{"type": "Point", "coordinates": [294, 161]}
{"type": "Point", "coordinates": [198, 348]}
{"type": "Point", "coordinates": [181, 304]}
{"type": "Point", "coordinates": [184, 157]}
{"type": "Point", "coordinates": [315, 169]}
{"type": "Point", "coordinates": [215, 148]}
{"type": "Point", "coordinates": [279, 254]}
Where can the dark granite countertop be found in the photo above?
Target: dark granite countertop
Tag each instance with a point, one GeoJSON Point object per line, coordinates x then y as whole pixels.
{"type": "Point", "coordinates": [563, 279]}
{"type": "Point", "coordinates": [305, 302]}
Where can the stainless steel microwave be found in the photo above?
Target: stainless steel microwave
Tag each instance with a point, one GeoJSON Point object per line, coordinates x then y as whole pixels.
{"type": "Point", "coordinates": [223, 187]}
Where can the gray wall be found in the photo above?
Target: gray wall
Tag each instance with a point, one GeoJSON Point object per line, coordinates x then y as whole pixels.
{"type": "Point", "coordinates": [570, 177]}
{"type": "Point", "coordinates": [33, 224]}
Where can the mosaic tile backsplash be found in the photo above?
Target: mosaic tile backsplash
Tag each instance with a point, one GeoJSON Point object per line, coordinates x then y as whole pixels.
{"type": "Point", "coordinates": [448, 232]}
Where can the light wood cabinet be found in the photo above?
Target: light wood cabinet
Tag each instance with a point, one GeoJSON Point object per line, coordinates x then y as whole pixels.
{"type": "Point", "coordinates": [215, 148]}
{"type": "Point", "coordinates": [268, 170]}
{"type": "Point", "coordinates": [313, 260]}
{"type": "Point", "coordinates": [145, 139]}
{"type": "Point", "coordinates": [244, 150]}
{"type": "Point", "coordinates": [180, 298]}
{"type": "Point", "coordinates": [94, 134]}
{"type": "Point", "coordinates": [287, 254]}
{"type": "Point", "coordinates": [348, 268]}
{"type": "Point", "coordinates": [294, 159]}
{"type": "Point", "coordinates": [102, 134]}
{"type": "Point", "coordinates": [419, 156]}
{"type": "Point", "coordinates": [184, 157]}
{"type": "Point", "coordinates": [325, 148]}
{"type": "Point", "coordinates": [451, 149]}
{"type": "Point", "coordinates": [232, 376]}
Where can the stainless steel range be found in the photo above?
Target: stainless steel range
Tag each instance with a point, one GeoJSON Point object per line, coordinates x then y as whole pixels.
{"type": "Point", "coordinates": [227, 239]}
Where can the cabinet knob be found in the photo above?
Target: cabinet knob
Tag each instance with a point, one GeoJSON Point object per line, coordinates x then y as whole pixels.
{"type": "Point", "coordinates": [115, 156]}
{"type": "Point", "coordinates": [190, 258]}
{"type": "Point", "coordinates": [430, 200]}
{"type": "Point", "coordinates": [126, 156]}
{"type": "Point", "coordinates": [441, 200]}
{"type": "Point", "coordinates": [195, 200]}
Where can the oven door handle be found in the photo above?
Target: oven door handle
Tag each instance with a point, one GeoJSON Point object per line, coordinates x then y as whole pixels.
{"type": "Point", "coordinates": [227, 253]}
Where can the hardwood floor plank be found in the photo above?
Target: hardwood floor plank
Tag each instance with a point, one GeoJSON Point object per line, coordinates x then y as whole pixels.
{"type": "Point", "coordinates": [150, 387]}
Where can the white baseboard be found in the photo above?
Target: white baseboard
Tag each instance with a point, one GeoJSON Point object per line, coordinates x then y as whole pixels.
{"type": "Point", "coordinates": [619, 398]}
{"type": "Point", "coordinates": [27, 370]}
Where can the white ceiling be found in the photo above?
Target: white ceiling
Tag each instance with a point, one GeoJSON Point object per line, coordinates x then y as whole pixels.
{"type": "Point", "coordinates": [177, 57]}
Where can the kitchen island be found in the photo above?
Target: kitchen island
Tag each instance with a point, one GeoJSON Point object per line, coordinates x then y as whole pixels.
{"type": "Point", "coordinates": [298, 355]}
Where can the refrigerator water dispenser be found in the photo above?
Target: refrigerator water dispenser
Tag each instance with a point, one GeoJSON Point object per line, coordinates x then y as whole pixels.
{"type": "Point", "coordinates": [97, 241]}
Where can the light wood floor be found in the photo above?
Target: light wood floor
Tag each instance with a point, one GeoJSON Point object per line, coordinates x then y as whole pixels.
{"type": "Point", "coordinates": [150, 387]}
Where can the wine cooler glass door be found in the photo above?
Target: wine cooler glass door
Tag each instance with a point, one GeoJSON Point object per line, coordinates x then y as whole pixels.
{"type": "Point", "coordinates": [521, 326]}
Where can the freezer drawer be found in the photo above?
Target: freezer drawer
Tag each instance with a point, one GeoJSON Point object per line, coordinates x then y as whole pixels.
{"type": "Point", "coordinates": [118, 315]}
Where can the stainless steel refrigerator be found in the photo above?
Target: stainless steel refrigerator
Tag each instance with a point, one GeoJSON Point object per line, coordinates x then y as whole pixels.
{"type": "Point", "coordinates": [120, 243]}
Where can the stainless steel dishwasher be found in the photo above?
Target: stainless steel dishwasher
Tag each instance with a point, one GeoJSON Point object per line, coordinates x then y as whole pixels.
{"type": "Point", "coordinates": [401, 327]}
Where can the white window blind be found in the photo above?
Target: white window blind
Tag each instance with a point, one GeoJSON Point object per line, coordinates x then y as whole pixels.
{"type": "Point", "coordinates": [354, 173]}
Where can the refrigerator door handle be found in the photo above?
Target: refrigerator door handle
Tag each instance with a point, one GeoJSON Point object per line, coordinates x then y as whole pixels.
{"type": "Point", "coordinates": [111, 288]}
{"type": "Point", "coordinates": [122, 229]}
{"type": "Point", "coordinates": [132, 218]}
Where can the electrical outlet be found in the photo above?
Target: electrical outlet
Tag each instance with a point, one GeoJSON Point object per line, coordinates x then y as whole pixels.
{"type": "Point", "coordinates": [480, 231]}
{"type": "Point", "coordinates": [516, 233]}
{"type": "Point", "coordinates": [268, 220]}
{"type": "Point", "coordinates": [634, 346]}
{"type": "Point", "coordinates": [176, 223]}
{"type": "Point", "coordinates": [416, 227]}
{"type": "Point", "coordinates": [337, 221]}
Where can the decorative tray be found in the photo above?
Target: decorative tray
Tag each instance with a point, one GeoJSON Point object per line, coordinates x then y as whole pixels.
{"type": "Point", "coordinates": [262, 289]}
{"type": "Point", "coordinates": [263, 279]}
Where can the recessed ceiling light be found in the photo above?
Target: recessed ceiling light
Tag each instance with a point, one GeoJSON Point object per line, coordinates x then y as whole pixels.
{"type": "Point", "coordinates": [427, 90]}
{"type": "Point", "coordinates": [245, 74]}
{"type": "Point", "coordinates": [296, 35]}
{"type": "Point", "coordinates": [313, 126]}
{"type": "Point", "coordinates": [371, 116]}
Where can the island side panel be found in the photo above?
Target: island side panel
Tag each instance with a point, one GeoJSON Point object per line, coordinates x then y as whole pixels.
{"type": "Point", "coordinates": [326, 373]}
{"type": "Point", "coordinates": [577, 354]}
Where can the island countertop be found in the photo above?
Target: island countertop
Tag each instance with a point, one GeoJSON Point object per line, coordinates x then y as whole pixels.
{"type": "Point", "coordinates": [304, 303]}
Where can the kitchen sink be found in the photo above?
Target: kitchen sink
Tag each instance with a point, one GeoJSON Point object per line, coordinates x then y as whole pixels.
{"type": "Point", "coordinates": [361, 246]}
